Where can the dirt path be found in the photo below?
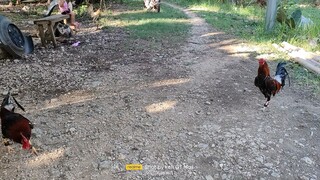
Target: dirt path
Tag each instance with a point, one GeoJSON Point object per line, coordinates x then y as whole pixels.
{"type": "Point", "coordinates": [195, 115]}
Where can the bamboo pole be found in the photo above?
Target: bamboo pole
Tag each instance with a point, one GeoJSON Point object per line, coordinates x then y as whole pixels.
{"type": "Point", "coordinates": [309, 60]}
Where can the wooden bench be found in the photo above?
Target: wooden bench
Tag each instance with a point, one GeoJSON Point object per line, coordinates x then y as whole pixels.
{"type": "Point", "coordinates": [48, 23]}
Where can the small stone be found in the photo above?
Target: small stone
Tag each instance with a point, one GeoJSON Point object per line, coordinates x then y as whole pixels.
{"type": "Point", "coordinates": [68, 152]}
{"type": "Point", "coordinates": [269, 165]}
{"type": "Point", "coordinates": [260, 159]}
{"type": "Point", "coordinates": [104, 165]}
{"type": "Point", "coordinates": [54, 172]}
{"type": "Point", "coordinates": [72, 130]}
{"type": "Point", "coordinates": [307, 160]}
{"type": "Point", "coordinates": [247, 90]}
{"type": "Point", "coordinates": [121, 157]}
{"type": "Point", "coordinates": [262, 146]}
{"type": "Point", "coordinates": [207, 103]}
{"type": "Point", "coordinates": [304, 177]}
{"type": "Point", "coordinates": [96, 83]}
{"type": "Point", "coordinates": [54, 100]}
{"type": "Point", "coordinates": [280, 141]}
{"type": "Point", "coordinates": [202, 145]}
{"type": "Point", "coordinates": [224, 176]}
{"type": "Point", "coordinates": [274, 174]}
{"type": "Point", "coordinates": [197, 154]}
{"type": "Point", "coordinates": [113, 67]}
{"type": "Point", "coordinates": [209, 177]}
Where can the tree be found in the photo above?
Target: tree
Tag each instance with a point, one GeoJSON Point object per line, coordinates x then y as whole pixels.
{"type": "Point", "coordinates": [271, 14]}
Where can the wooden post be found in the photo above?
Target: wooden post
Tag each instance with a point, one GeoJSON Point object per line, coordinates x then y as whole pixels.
{"type": "Point", "coordinates": [51, 32]}
{"type": "Point", "coordinates": [41, 34]}
{"type": "Point", "coordinates": [271, 14]}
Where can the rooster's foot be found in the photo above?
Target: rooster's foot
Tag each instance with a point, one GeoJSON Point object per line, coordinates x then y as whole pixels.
{"type": "Point", "coordinates": [6, 142]}
{"type": "Point", "coordinates": [10, 149]}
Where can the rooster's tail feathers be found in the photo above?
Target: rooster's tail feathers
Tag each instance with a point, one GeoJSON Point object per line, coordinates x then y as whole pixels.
{"type": "Point", "coordinates": [10, 100]}
{"type": "Point", "coordinates": [282, 73]}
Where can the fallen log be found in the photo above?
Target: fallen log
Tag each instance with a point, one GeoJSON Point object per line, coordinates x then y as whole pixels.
{"type": "Point", "coordinates": [309, 60]}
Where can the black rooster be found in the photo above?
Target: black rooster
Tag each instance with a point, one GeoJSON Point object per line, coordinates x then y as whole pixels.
{"type": "Point", "coordinates": [14, 126]}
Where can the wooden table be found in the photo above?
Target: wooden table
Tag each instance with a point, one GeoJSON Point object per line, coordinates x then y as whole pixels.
{"type": "Point", "coordinates": [49, 23]}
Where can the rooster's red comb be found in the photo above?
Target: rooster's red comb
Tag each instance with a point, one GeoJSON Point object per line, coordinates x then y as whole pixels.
{"type": "Point", "coordinates": [262, 61]}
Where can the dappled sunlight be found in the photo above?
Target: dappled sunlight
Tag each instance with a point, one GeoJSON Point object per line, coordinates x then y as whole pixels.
{"type": "Point", "coordinates": [236, 48]}
{"type": "Point", "coordinates": [169, 82]}
{"type": "Point", "coordinates": [45, 158]}
{"type": "Point", "coordinates": [166, 82]}
{"type": "Point", "coordinates": [139, 22]}
{"type": "Point", "coordinates": [89, 30]}
{"type": "Point", "coordinates": [68, 98]}
{"type": "Point", "coordinates": [212, 34]}
{"type": "Point", "coordinates": [204, 8]}
{"type": "Point", "coordinates": [249, 13]}
{"type": "Point", "coordinates": [160, 107]}
{"type": "Point", "coordinates": [132, 12]}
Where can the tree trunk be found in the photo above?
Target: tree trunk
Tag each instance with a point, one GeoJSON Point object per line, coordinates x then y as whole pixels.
{"type": "Point", "coordinates": [271, 14]}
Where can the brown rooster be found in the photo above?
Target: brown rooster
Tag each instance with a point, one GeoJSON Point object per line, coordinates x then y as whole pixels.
{"type": "Point", "coordinates": [94, 14]}
{"type": "Point", "coordinates": [14, 126]}
{"type": "Point", "coordinates": [268, 85]}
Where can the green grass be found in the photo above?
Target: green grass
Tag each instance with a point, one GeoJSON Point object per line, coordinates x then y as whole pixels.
{"type": "Point", "coordinates": [248, 23]}
{"type": "Point", "coordinates": [169, 24]}
{"type": "Point", "coordinates": [305, 78]}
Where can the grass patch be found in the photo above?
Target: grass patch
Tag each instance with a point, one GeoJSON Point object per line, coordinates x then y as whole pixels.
{"type": "Point", "coordinates": [248, 23]}
{"type": "Point", "coordinates": [169, 24]}
{"type": "Point", "coordinates": [305, 78]}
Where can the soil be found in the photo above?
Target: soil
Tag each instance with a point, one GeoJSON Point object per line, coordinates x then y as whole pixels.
{"type": "Point", "coordinates": [183, 111]}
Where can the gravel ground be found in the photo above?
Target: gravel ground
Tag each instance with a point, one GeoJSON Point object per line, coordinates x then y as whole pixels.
{"type": "Point", "coordinates": [187, 111]}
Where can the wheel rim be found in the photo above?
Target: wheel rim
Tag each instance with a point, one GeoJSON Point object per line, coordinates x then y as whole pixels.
{"type": "Point", "coordinates": [16, 36]}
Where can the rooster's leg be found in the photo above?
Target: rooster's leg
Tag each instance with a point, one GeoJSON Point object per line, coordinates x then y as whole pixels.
{"type": "Point", "coordinates": [267, 102]}
{"type": "Point", "coordinates": [10, 149]}
{"type": "Point", "coordinates": [6, 142]}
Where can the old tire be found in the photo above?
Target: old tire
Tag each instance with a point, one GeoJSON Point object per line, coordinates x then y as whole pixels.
{"type": "Point", "coordinates": [11, 38]}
